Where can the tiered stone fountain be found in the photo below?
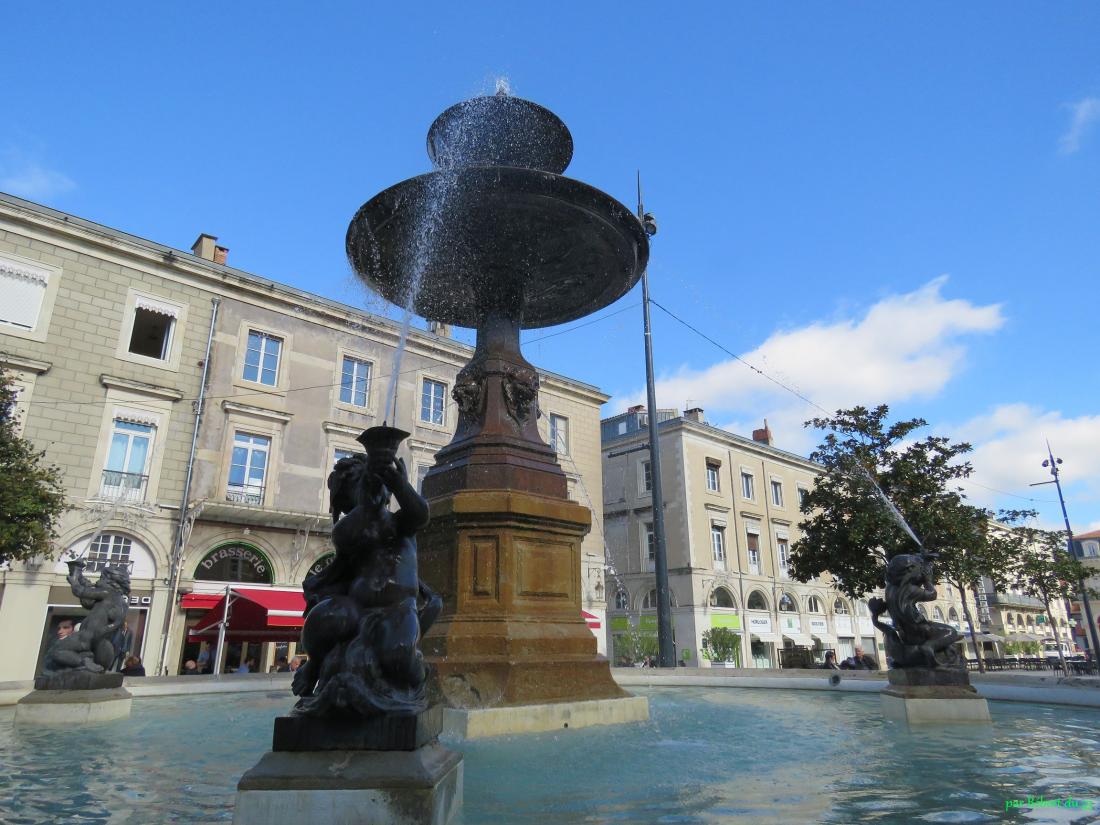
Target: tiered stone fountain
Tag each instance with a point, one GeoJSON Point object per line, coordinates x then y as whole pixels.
{"type": "Point", "coordinates": [511, 244]}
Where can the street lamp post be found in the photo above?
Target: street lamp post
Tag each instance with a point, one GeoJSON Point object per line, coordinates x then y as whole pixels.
{"type": "Point", "coordinates": [1053, 464]}
{"type": "Point", "coordinates": [666, 655]}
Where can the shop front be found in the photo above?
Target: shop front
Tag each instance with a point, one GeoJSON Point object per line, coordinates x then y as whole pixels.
{"type": "Point", "coordinates": [845, 638]}
{"type": "Point", "coordinates": [633, 639]}
{"type": "Point", "coordinates": [227, 565]}
{"type": "Point", "coordinates": [798, 647]}
{"type": "Point", "coordinates": [822, 640]}
{"type": "Point", "coordinates": [762, 641]}
{"type": "Point", "coordinates": [246, 626]}
{"type": "Point", "coordinates": [64, 614]}
{"type": "Point", "coordinates": [728, 655]}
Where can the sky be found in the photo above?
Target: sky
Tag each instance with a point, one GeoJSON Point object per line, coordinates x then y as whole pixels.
{"type": "Point", "coordinates": [870, 204]}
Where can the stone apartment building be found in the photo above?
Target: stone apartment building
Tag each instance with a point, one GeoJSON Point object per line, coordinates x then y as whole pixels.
{"type": "Point", "coordinates": [1016, 619]}
{"type": "Point", "coordinates": [731, 517]}
{"type": "Point", "coordinates": [108, 335]}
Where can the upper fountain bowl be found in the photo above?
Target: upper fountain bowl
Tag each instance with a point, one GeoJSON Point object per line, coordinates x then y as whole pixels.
{"type": "Point", "coordinates": [500, 130]}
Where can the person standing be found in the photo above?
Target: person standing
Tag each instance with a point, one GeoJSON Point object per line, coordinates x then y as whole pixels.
{"type": "Point", "coordinates": [123, 642]}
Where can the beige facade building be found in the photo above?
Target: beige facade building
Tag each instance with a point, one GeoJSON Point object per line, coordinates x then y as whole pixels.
{"type": "Point", "coordinates": [1022, 625]}
{"type": "Point", "coordinates": [108, 336]}
{"type": "Point", "coordinates": [731, 517]}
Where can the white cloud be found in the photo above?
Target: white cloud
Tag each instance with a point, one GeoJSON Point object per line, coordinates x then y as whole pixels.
{"type": "Point", "coordinates": [905, 346]}
{"type": "Point", "coordinates": [27, 178]}
{"type": "Point", "coordinates": [1009, 450]}
{"type": "Point", "coordinates": [1085, 113]}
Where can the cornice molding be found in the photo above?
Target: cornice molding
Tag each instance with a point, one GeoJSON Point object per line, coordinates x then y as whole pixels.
{"type": "Point", "coordinates": [128, 384]}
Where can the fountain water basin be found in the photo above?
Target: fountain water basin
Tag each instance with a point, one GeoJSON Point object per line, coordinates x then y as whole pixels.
{"type": "Point", "coordinates": [706, 755]}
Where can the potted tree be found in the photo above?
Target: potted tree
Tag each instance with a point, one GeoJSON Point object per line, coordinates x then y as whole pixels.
{"type": "Point", "coordinates": [722, 647]}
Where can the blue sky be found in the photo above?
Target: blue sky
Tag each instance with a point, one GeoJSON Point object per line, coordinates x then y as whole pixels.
{"type": "Point", "coordinates": [870, 203]}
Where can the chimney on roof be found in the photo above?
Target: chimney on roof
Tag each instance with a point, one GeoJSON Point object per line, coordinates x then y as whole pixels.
{"type": "Point", "coordinates": [763, 436]}
{"type": "Point", "coordinates": [695, 414]}
{"type": "Point", "coordinates": [205, 246]}
{"type": "Point", "coordinates": [220, 254]}
{"type": "Point", "coordinates": [637, 408]}
{"type": "Point", "coordinates": [439, 328]}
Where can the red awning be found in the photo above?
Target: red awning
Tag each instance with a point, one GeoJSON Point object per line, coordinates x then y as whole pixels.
{"type": "Point", "coordinates": [200, 601]}
{"type": "Point", "coordinates": [254, 616]}
{"type": "Point", "coordinates": [591, 620]}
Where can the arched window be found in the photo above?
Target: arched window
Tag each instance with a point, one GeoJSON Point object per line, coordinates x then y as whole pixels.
{"type": "Point", "coordinates": [1011, 619]}
{"type": "Point", "coordinates": [937, 614]}
{"type": "Point", "coordinates": [840, 607]}
{"type": "Point", "coordinates": [235, 562]}
{"type": "Point", "coordinates": [621, 600]}
{"type": "Point", "coordinates": [1020, 619]}
{"type": "Point", "coordinates": [922, 611]}
{"type": "Point", "coordinates": [862, 609]}
{"type": "Point", "coordinates": [813, 605]}
{"type": "Point", "coordinates": [757, 601]}
{"type": "Point", "coordinates": [650, 601]}
{"type": "Point", "coordinates": [721, 597]}
{"type": "Point", "coordinates": [952, 615]}
{"type": "Point", "coordinates": [322, 563]}
{"type": "Point", "coordinates": [787, 604]}
{"type": "Point", "coordinates": [111, 550]}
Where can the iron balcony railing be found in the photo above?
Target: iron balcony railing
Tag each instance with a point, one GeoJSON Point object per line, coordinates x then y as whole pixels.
{"type": "Point", "coordinates": [1013, 600]}
{"type": "Point", "coordinates": [126, 487]}
{"type": "Point", "coordinates": [245, 494]}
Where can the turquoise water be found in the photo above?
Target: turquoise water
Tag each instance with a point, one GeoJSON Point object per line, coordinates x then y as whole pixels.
{"type": "Point", "coordinates": [706, 756]}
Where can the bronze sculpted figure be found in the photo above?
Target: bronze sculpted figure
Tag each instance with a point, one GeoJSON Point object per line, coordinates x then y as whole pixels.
{"type": "Point", "coordinates": [365, 612]}
{"type": "Point", "coordinates": [912, 640]}
{"type": "Point", "coordinates": [91, 647]}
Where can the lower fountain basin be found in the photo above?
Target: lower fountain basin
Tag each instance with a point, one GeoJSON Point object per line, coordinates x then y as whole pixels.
{"type": "Point", "coordinates": [547, 247]}
{"type": "Point", "coordinates": [707, 755]}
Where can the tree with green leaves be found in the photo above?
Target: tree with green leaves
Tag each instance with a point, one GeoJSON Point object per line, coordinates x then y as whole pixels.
{"type": "Point", "coordinates": [1045, 571]}
{"type": "Point", "coordinates": [875, 475]}
{"type": "Point", "coordinates": [720, 644]}
{"type": "Point", "coordinates": [32, 497]}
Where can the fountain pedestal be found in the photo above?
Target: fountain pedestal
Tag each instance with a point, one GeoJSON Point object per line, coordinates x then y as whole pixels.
{"type": "Point", "coordinates": [932, 696]}
{"type": "Point", "coordinates": [389, 770]}
{"type": "Point", "coordinates": [74, 697]}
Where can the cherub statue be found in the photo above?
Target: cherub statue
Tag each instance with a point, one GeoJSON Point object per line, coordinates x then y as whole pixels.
{"type": "Point", "coordinates": [91, 647]}
{"type": "Point", "coordinates": [365, 612]}
{"type": "Point", "coordinates": [911, 639]}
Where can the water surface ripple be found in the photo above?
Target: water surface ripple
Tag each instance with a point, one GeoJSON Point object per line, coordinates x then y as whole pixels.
{"type": "Point", "coordinates": [706, 756]}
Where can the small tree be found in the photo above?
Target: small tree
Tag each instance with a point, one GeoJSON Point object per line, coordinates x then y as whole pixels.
{"type": "Point", "coordinates": [1045, 571]}
{"type": "Point", "coordinates": [720, 644]}
{"type": "Point", "coordinates": [32, 497]}
{"type": "Point", "coordinates": [634, 645]}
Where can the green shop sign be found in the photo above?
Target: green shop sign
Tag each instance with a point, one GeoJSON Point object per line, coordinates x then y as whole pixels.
{"type": "Point", "coordinates": [724, 620]}
{"type": "Point", "coordinates": [622, 623]}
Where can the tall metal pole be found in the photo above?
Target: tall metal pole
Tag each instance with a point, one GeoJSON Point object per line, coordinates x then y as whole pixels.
{"type": "Point", "coordinates": [666, 652]}
{"type": "Point", "coordinates": [1094, 643]}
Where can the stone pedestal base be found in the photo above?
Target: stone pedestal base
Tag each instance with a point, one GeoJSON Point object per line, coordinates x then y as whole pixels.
{"type": "Point", "coordinates": [508, 566]}
{"type": "Point", "coordinates": [942, 696]}
{"type": "Point", "coordinates": [73, 707]}
{"type": "Point", "coordinates": [420, 787]}
{"type": "Point", "coordinates": [483, 722]}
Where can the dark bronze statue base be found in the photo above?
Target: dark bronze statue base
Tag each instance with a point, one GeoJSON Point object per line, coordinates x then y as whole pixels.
{"type": "Point", "coordinates": [353, 732]}
{"type": "Point", "coordinates": [78, 680]}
